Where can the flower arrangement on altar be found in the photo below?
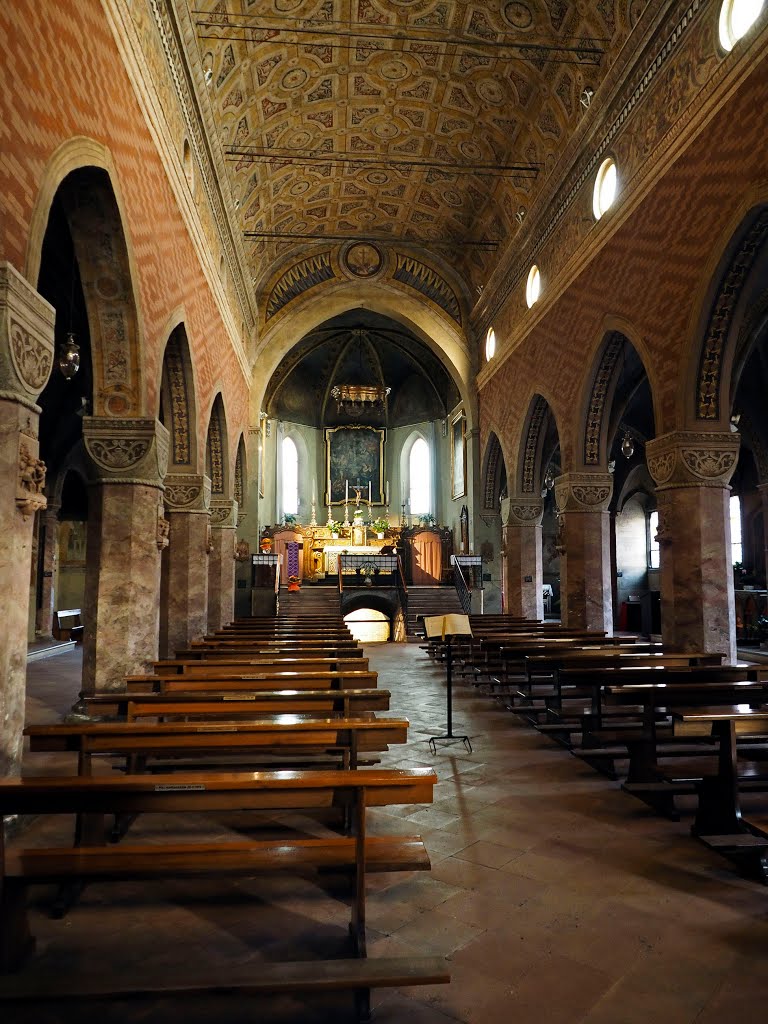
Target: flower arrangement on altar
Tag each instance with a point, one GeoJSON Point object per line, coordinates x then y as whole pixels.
{"type": "Point", "coordinates": [380, 525]}
{"type": "Point", "coordinates": [294, 583]}
{"type": "Point", "coordinates": [266, 544]}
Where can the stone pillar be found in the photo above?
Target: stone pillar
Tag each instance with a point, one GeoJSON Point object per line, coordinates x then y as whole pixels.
{"type": "Point", "coordinates": [44, 623]}
{"type": "Point", "coordinates": [691, 471]}
{"type": "Point", "coordinates": [185, 590]}
{"type": "Point", "coordinates": [582, 501]}
{"type": "Point", "coordinates": [221, 564]}
{"type": "Point", "coordinates": [763, 490]}
{"type": "Point", "coordinates": [122, 576]}
{"type": "Point", "coordinates": [522, 567]}
{"type": "Point", "coordinates": [26, 360]}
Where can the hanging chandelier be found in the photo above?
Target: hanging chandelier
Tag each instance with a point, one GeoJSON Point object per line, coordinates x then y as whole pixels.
{"type": "Point", "coordinates": [357, 399]}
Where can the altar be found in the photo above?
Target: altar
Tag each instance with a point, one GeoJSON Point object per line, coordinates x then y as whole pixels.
{"type": "Point", "coordinates": [331, 554]}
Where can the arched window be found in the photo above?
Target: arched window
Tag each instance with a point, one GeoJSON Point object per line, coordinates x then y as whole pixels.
{"type": "Point", "coordinates": [737, 550]}
{"type": "Point", "coordinates": [419, 477]}
{"type": "Point", "coordinates": [290, 476]}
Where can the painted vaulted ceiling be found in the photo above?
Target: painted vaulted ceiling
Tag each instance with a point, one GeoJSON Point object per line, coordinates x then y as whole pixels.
{"type": "Point", "coordinates": [436, 122]}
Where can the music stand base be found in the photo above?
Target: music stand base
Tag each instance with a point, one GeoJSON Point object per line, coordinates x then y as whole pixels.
{"type": "Point", "coordinates": [450, 738]}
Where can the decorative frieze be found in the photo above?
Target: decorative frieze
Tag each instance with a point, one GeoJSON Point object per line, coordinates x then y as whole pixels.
{"type": "Point", "coordinates": [187, 492]}
{"type": "Point", "coordinates": [223, 513]}
{"type": "Point", "coordinates": [31, 479]}
{"type": "Point", "coordinates": [521, 511]}
{"type": "Point", "coordinates": [583, 492]}
{"type": "Point", "coordinates": [130, 451]}
{"type": "Point", "coordinates": [26, 337]}
{"type": "Point", "coordinates": [693, 459]}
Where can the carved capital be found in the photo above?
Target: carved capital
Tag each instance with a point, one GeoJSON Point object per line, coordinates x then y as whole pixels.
{"type": "Point", "coordinates": [26, 337]}
{"type": "Point", "coordinates": [31, 479]}
{"type": "Point", "coordinates": [127, 451]}
{"type": "Point", "coordinates": [223, 513]}
{"type": "Point", "coordinates": [693, 458]}
{"type": "Point", "coordinates": [583, 492]}
{"type": "Point", "coordinates": [526, 511]}
{"type": "Point", "coordinates": [187, 492]}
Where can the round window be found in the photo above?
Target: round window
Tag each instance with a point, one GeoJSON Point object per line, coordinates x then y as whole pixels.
{"type": "Point", "coordinates": [605, 188]}
{"type": "Point", "coordinates": [736, 18]}
{"type": "Point", "coordinates": [490, 345]}
{"type": "Point", "coordinates": [533, 286]}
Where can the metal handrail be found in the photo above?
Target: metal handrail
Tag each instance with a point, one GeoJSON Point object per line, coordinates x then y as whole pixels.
{"type": "Point", "coordinates": [463, 590]}
{"type": "Point", "coordinates": [402, 588]}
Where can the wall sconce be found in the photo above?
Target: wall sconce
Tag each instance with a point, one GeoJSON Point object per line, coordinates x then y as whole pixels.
{"type": "Point", "coordinates": [549, 478]}
{"type": "Point", "coordinates": [69, 357]}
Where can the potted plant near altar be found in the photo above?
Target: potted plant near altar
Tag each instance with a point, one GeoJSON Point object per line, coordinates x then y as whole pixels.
{"type": "Point", "coordinates": [335, 527]}
{"type": "Point", "coordinates": [289, 519]}
{"type": "Point", "coordinates": [380, 527]}
{"type": "Point", "coordinates": [266, 544]}
{"type": "Point", "coordinates": [294, 584]}
{"type": "Point", "coordinates": [426, 519]}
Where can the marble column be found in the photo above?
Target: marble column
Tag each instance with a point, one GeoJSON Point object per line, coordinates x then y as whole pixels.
{"type": "Point", "coordinates": [26, 361]}
{"type": "Point", "coordinates": [522, 566]}
{"type": "Point", "coordinates": [691, 471]}
{"type": "Point", "coordinates": [185, 586]}
{"type": "Point", "coordinates": [125, 532]}
{"type": "Point", "coordinates": [582, 501]}
{"type": "Point", "coordinates": [44, 623]}
{"type": "Point", "coordinates": [221, 564]}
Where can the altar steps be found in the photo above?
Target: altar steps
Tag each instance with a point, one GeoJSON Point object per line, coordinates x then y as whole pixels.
{"type": "Point", "coordinates": [429, 601]}
{"type": "Point", "coordinates": [309, 600]}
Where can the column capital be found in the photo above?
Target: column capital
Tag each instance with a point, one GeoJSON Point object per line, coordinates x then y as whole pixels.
{"type": "Point", "coordinates": [26, 338]}
{"type": "Point", "coordinates": [522, 511]}
{"type": "Point", "coordinates": [130, 451]}
{"type": "Point", "coordinates": [583, 492]}
{"type": "Point", "coordinates": [693, 458]}
{"type": "Point", "coordinates": [223, 513]}
{"type": "Point", "coordinates": [188, 492]}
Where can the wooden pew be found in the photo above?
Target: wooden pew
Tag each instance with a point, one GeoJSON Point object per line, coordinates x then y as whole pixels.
{"type": "Point", "coordinates": [238, 705]}
{"type": "Point", "coordinates": [200, 793]}
{"type": "Point", "coordinates": [270, 651]}
{"type": "Point", "coordinates": [226, 665]}
{"type": "Point", "coordinates": [169, 741]}
{"type": "Point", "coordinates": [720, 822]}
{"type": "Point", "coordinates": [255, 681]}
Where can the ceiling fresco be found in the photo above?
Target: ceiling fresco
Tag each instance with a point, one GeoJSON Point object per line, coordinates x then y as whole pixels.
{"type": "Point", "coordinates": [428, 123]}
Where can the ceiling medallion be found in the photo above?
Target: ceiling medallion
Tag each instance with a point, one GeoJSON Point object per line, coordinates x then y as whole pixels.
{"type": "Point", "coordinates": [363, 259]}
{"type": "Point", "coordinates": [518, 14]}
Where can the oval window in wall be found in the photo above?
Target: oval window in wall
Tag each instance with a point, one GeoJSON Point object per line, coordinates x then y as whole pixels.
{"type": "Point", "coordinates": [533, 286]}
{"type": "Point", "coordinates": [490, 345]}
{"type": "Point", "coordinates": [736, 18]}
{"type": "Point", "coordinates": [604, 191]}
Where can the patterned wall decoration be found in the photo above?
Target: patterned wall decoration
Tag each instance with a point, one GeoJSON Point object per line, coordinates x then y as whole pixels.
{"type": "Point", "coordinates": [176, 379]}
{"type": "Point", "coordinates": [709, 383]}
{"type": "Point", "coordinates": [532, 437]}
{"type": "Point", "coordinates": [302, 276]}
{"type": "Point", "coordinates": [614, 347]}
{"type": "Point", "coordinates": [427, 281]}
{"type": "Point", "coordinates": [239, 479]}
{"type": "Point", "coordinates": [214, 449]}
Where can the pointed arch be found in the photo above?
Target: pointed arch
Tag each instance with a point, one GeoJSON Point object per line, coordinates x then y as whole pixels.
{"type": "Point", "coordinates": [178, 405]}
{"type": "Point", "coordinates": [494, 474]}
{"type": "Point", "coordinates": [240, 475]}
{"type": "Point", "coordinates": [217, 450]}
{"type": "Point", "coordinates": [536, 436]}
{"type": "Point", "coordinates": [736, 305]}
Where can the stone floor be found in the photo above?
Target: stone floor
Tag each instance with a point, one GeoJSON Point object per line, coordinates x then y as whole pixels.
{"type": "Point", "coordinates": [555, 897]}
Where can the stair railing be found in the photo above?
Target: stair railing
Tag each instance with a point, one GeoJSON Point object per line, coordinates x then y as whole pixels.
{"type": "Point", "coordinates": [402, 589]}
{"type": "Point", "coordinates": [468, 575]}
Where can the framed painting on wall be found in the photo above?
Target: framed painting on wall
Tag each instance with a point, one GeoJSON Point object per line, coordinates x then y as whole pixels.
{"type": "Point", "coordinates": [354, 456]}
{"type": "Point", "coordinates": [458, 456]}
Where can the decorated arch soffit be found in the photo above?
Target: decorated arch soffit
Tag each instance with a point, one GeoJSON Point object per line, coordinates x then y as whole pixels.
{"type": "Point", "coordinates": [432, 121]}
{"type": "Point", "coordinates": [493, 463]}
{"type": "Point", "coordinates": [531, 443]}
{"type": "Point", "coordinates": [178, 402]}
{"type": "Point", "coordinates": [727, 329]}
{"type": "Point", "coordinates": [217, 466]}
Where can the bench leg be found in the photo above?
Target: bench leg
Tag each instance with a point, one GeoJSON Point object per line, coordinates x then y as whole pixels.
{"type": "Point", "coordinates": [363, 1004]}
{"type": "Point", "coordinates": [16, 941]}
{"type": "Point", "coordinates": [67, 896]}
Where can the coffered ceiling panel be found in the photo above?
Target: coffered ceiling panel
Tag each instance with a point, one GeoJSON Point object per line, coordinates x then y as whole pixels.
{"type": "Point", "coordinates": [430, 121]}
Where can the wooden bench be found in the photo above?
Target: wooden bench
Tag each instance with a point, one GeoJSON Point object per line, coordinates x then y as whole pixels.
{"type": "Point", "coordinates": [237, 705]}
{"type": "Point", "coordinates": [271, 680]}
{"type": "Point", "coordinates": [279, 735]}
{"type": "Point", "coordinates": [226, 665]}
{"type": "Point", "coordinates": [200, 793]}
{"type": "Point", "coordinates": [271, 651]}
{"type": "Point", "coordinates": [67, 625]}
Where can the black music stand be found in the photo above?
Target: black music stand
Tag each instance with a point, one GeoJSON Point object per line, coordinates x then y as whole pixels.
{"type": "Point", "coordinates": [445, 628]}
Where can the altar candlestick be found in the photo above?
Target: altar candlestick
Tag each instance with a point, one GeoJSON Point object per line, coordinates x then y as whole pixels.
{"type": "Point", "coordinates": [386, 493]}
{"type": "Point", "coordinates": [346, 492]}
{"type": "Point", "coordinates": [369, 492]}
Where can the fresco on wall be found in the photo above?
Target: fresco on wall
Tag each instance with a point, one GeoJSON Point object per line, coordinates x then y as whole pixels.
{"type": "Point", "coordinates": [354, 456]}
